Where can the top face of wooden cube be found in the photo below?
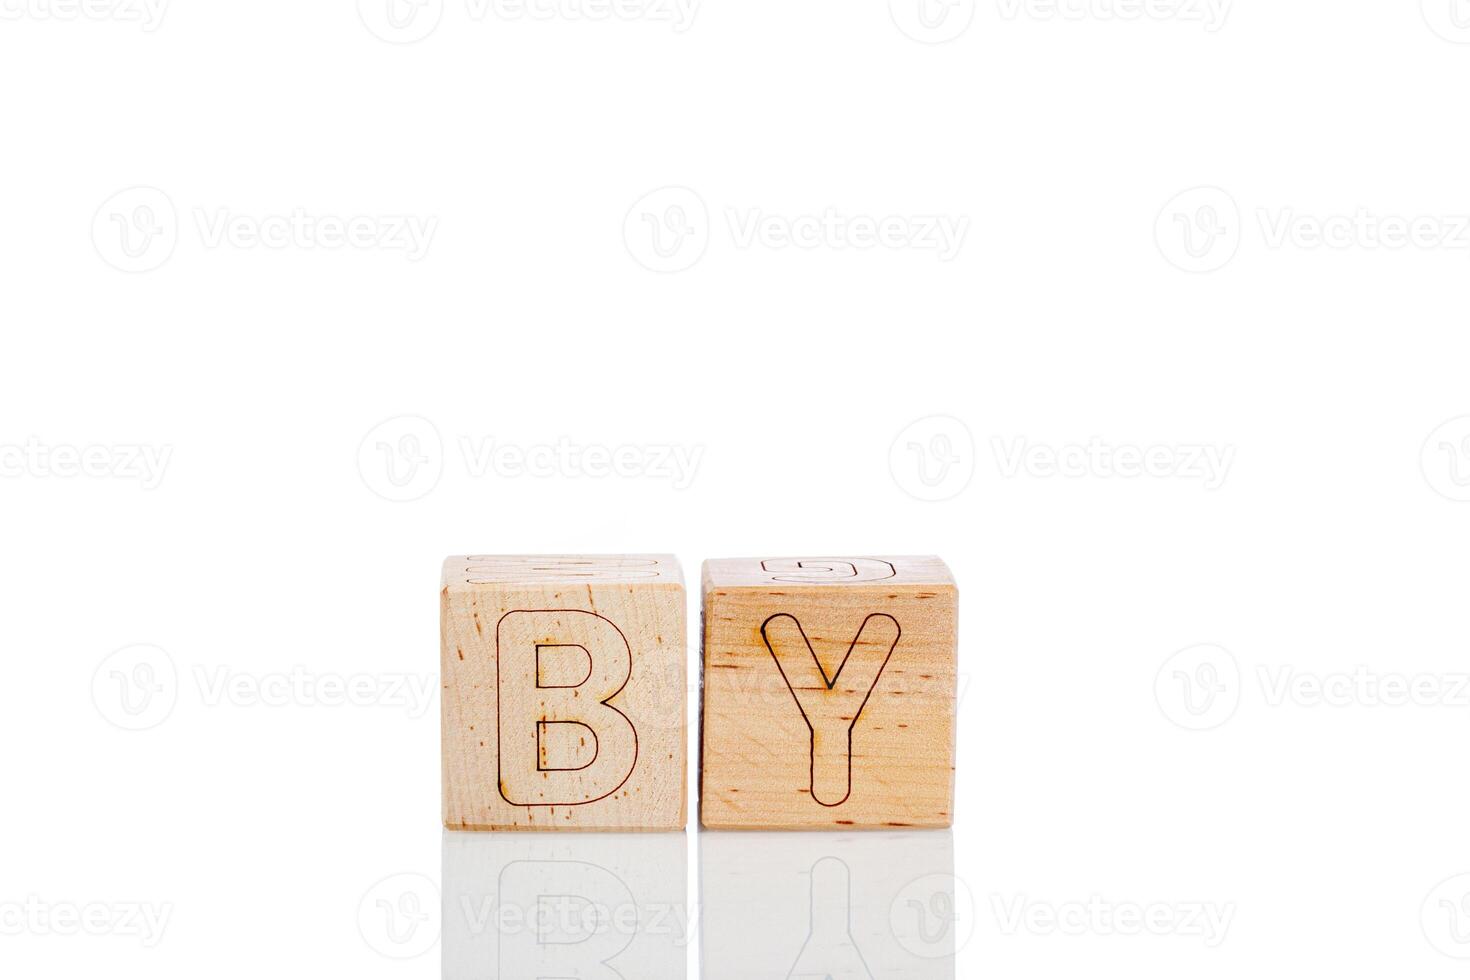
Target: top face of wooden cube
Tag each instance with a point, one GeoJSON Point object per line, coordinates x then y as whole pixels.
{"type": "Point", "coordinates": [537, 571]}
{"type": "Point", "coordinates": [891, 570]}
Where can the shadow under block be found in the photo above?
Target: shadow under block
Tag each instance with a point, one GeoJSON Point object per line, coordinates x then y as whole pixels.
{"type": "Point", "coordinates": [563, 692]}
{"type": "Point", "coordinates": [829, 693]}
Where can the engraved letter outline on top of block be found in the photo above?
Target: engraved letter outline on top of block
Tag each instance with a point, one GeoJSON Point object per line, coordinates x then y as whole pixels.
{"type": "Point", "coordinates": [820, 570]}
{"type": "Point", "coordinates": [518, 665]}
{"type": "Point", "coordinates": [498, 570]}
{"type": "Point", "coordinates": [831, 753]}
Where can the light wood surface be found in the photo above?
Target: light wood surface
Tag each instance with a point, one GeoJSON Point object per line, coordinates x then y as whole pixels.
{"type": "Point", "coordinates": [829, 692]}
{"type": "Point", "coordinates": [564, 687]}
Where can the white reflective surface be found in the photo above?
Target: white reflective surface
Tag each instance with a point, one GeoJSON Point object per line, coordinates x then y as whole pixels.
{"type": "Point", "coordinates": [565, 906]}
{"type": "Point", "coordinates": [808, 906]}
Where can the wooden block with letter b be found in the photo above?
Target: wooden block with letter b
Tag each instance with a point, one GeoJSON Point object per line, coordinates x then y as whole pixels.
{"type": "Point", "coordinates": [829, 693]}
{"type": "Point", "coordinates": [563, 692]}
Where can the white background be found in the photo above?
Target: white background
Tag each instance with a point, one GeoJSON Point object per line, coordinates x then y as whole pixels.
{"type": "Point", "coordinates": [1293, 319]}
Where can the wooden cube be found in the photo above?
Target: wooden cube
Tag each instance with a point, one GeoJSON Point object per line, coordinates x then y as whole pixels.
{"type": "Point", "coordinates": [563, 692]}
{"type": "Point", "coordinates": [829, 693]}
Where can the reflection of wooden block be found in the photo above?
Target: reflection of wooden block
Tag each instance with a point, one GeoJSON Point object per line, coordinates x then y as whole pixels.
{"type": "Point", "coordinates": [567, 905]}
{"type": "Point", "coordinates": [829, 693]}
{"type": "Point", "coordinates": [563, 692]}
{"type": "Point", "coordinates": [858, 905]}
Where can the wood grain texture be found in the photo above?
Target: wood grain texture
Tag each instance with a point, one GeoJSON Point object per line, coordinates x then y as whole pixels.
{"type": "Point", "coordinates": [564, 686]}
{"type": "Point", "coordinates": [829, 691]}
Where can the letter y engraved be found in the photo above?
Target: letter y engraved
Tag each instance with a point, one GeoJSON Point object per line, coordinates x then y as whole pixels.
{"type": "Point", "coordinates": [831, 706]}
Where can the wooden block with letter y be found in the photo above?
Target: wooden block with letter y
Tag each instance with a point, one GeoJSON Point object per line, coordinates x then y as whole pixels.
{"type": "Point", "coordinates": [829, 693]}
{"type": "Point", "coordinates": [563, 692]}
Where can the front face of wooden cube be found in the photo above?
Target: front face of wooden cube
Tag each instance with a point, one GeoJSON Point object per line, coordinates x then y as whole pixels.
{"type": "Point", "coordinates": [829, 693]}
{"type": "Point", "coordinates": [563, 693]}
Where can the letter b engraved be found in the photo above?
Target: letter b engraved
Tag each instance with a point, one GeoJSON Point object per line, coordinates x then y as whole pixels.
{"type": "Point", "coordinates": [831, 705]}
{"type": "Point", "coordinates": [561, 743]}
